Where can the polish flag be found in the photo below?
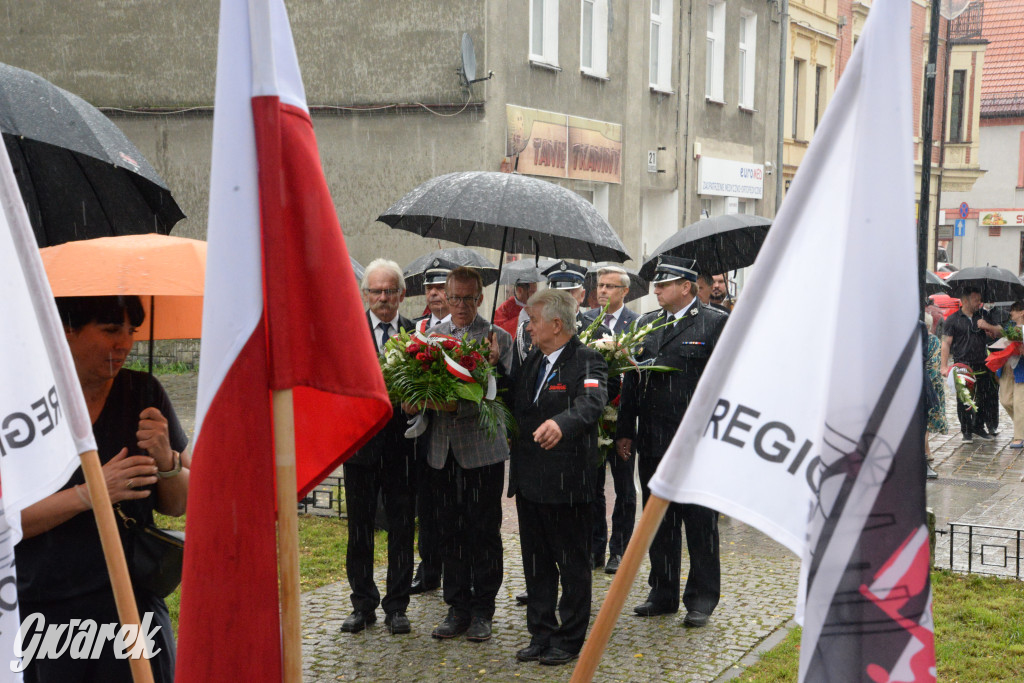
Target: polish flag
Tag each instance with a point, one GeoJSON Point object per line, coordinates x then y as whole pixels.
{"type": "Point", "coordinates": [280, 301]}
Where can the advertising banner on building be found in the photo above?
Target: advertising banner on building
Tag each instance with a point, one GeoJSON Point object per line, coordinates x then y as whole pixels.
{"type": "Point", "coordinates": [726, 178]}
{"type": "Point", "coordinates": [1001, 217]}
{"type": "Point", "coordinates": [562, 146]}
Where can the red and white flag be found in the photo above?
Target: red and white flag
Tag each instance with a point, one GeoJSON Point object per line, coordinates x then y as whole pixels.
{"type": "Point", "coordinates": [280, 303]}
{"type": "Point", "coordinates": [812, 429]}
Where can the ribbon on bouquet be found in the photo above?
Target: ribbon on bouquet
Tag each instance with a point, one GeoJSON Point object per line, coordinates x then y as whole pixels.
{"type": "Point", "coordinates": [457, 369]}
{"type": "Point", "coordinates": [997, 359]}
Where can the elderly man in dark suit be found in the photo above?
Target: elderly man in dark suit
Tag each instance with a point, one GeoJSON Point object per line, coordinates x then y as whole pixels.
{"type": "Point", "coordinates": [385, 466]}
{"type": "Point", "coordinates": [651, 408]}
{"type": "Point", "coordinates": [557, 398]}
{"type": "Point", "coordinates": [612, 288]}
{"type": "Point", "coordinates": [467, 472]}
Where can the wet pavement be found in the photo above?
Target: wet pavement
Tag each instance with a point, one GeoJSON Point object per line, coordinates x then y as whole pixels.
{"type": "Point", "coordinates": [980, 484]}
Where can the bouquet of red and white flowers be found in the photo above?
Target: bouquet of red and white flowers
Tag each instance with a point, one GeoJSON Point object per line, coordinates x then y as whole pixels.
{"type": "Point", "coordinates": [435, 369]}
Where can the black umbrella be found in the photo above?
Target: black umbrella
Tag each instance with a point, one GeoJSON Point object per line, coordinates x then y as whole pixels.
{"type": "Point", "coordinates": [79, 176]}
{"type": "Point", "coordinates": [509, 212]}
{"type": "Point", "coordinates": [638, 286]}
{"type": "Point", "coordinates": [996, 284]}
{"type": "Point", "coordinates": [933, 284]}
{"type": "Point", "coordinates": [718, 244]}
{"type": "Point", "coordinates": [460, 256]}
{"type": "Point", "coordinates": [527, 269]}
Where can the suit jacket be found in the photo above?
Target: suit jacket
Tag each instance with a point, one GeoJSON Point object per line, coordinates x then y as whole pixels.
{"type": "Point", "coordinates": [653, 403]}
{"type": "Point", "coordinates": [523, 342]}
{"type": "Point", "coordinates": [573, 396]}
{"type": "Point", "coordinates": [625, 318]}
{"type": "Point", "coordinates": [460, 431]}
{"type": "Point", "coordinates": [389, 441]}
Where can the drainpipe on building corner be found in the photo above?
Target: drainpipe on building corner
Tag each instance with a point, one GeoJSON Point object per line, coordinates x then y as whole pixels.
{"type": "Point", "coordinates": [783, 33]}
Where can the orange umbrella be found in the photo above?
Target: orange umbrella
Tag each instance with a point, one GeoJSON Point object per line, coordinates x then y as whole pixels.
{"type": "Point", "coordinates": [166, 272]}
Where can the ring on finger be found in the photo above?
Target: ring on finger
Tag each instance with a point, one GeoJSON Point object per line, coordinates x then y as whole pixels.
{"type": "Point", "coordinates": [129, 484]}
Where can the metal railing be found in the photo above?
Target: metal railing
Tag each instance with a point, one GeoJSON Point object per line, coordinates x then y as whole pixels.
{"type": "Point", "coordinates": [326, 499]}
{"type": "Point", "coordinates": [967, 26]}
{"type": "Point", "coordinates": [989, 550]}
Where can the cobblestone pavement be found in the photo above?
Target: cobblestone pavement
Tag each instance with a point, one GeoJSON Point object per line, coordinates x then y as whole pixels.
{"type": "Point", "coordinates": [979, 484]}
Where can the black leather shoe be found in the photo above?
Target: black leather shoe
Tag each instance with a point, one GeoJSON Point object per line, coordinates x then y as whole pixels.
{"type": "Point", "coordinates": [613, 564]}
{"type": "Point", "coordinates": [479, 630]}
{"type": "Point", "coordinates": [451, 627]}
{"type": "Point", "coordinates": [357, 621]}
{"type": "Point", "coordinates": [649, 609]}
{"type": "Point", "coordinates": [555, 656]}
{"type": "Point", "coordinates": [598, 561]}
{"type": "Point", "coordinates": [420, 586]}
{"type": "Point", "coordinates": [531, 653]}
{"type": "Point", "coordinates": [695, 619]}
{"type": "Point", "coordinates": [523, 598]}
{"type": "Point", "coordinates": [397, 623]}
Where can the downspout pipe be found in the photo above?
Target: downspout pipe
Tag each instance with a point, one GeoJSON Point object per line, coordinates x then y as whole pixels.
{"type": "Point", "coordinates": [783, 34]}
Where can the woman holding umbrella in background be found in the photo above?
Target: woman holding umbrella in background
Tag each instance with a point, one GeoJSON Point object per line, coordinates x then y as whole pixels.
{"type": "Point", "coordinates": [60, 564]}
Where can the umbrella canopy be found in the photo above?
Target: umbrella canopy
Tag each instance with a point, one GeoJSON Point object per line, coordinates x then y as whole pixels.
{"type": "Point", "coordinates": [79, 176]}
{"type": "Point", "coordinates": [357, 269]}
{"type": "Point", "coordinates": [168, 273]}
{"type": "Point", "coordinates": [996, 284]}
{"type": "Point", "coordinates": [460, 256]}
{"type": "Point", "coordinates": [638, 286]}
{"type": "Point", "coordinates": [933, 284]}
{"type": "Point", "coordinates": [509, 212]}
{"type": "Point", "coordinates": [718, 244]}
{"type": "Point", "coordinates": [525, 270]}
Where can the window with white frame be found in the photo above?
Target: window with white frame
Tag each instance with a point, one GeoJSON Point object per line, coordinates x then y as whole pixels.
{"type": "Point", "coordinates": [714, 82]}
{"type": "Point", "coordinates": [748, 48]}
{"type": "Point", "coordinates": [544, 31]}
{"type": "Point", "coordinates": [661, 45]}
{"type": "Point", "coordinates": [594, 37]}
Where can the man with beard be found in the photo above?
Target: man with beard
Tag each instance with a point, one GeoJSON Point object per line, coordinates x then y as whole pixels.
{"type": "Point", "coordinates": [384, 466]}
{"type": "Point", "coordinates": [720, 293]}
{"type": "Point", "coordinates": [652, 406]}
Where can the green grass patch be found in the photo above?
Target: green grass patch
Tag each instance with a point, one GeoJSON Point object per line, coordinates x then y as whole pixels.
{"type": "Point", "coordinates": [323, 542]}
{"type": "Point", "coordinates": [177, 368]}
{"type": "Point", "coordinates": [979, 633]}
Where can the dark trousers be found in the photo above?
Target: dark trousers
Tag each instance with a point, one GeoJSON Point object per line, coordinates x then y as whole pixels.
{"type": "Point", "coordinates": [468, 507]}
{"type": "Point", "coordinates": [394, 480]}
{"type": "Point", "coordinates": [429, 544]}
{"type": "Point", "coordinates": [986, 396]}
{"type": "Point", "coordinates": [623, 512]}
{"type": "Point", "coordinates": [704, 581]}
{"type": "Point", "coordinates": [548, 534]}
{"type": "Point", "coordinates": [99, 606]}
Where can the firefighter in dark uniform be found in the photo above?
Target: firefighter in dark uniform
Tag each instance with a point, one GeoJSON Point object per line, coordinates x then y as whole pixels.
{"type": "Point", "coordinates": [651, 408]}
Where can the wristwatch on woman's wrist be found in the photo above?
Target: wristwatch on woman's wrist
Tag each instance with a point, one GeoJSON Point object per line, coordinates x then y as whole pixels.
{"type": "Point", "coordinates": [174, 471]}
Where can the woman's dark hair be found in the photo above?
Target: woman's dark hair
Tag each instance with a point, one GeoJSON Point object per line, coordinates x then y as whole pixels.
{"type": "Point", "coordinates": [1017, 305]}
{"type": "Point", "coordinates": [78, 311]}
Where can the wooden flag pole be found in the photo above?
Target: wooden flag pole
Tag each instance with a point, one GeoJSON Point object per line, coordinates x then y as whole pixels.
{"type": "Point", "coordinates": [113, 553]}
{"type": "Point", "coordinates": [288, 535]}
{"type": "Point", "coordinates": [593, 649]}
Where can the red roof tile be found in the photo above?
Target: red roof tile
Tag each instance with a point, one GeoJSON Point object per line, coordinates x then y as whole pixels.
{"type": "Point", "coordinates": [1002, 83]}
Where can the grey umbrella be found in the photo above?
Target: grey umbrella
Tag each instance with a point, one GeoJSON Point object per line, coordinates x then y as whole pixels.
{"type": "Point", "coordinates": [528, 269]}
{"type": "Point", "coordinates": [509, 212]}
{"type": "Point", "coordinates": [460, 256]}
{"type": "Point", "coordinates": [933, 284]}
{"type": "Point", "coordinates": [357, 269]}
{"type": "Point", "coordinates": [996, 284]}
{"type": "Point", "coordinates": [638, 286]}
{"type": "Point", "coordinates": [79, 176]}
{"type": "Point", "coordinates": [718, 244]}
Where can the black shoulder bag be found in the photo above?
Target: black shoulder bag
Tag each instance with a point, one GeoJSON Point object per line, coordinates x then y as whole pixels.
{"type": "Point", "coordinates": [158, 556]}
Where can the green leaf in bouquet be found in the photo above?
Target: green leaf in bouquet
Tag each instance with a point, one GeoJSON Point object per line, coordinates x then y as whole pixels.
{"type": "Point", "coordinates": [470, 392]}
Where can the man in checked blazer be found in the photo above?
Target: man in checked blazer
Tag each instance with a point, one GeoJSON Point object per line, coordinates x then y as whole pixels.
{"type": "Point", "coordinates": [386, 464]}
{"type": "Point", "coordinates": [557, 398]}
{"type": "Point", "coordinates": [650, 411]}
{"type": "Point", "coordinates": [467, 473]}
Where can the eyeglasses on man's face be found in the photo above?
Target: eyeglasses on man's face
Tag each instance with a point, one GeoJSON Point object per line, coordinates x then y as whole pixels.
{"type": "Point", "coordinates": [461, 300]}
{"type": "Point", "coordinates": [385, 292]}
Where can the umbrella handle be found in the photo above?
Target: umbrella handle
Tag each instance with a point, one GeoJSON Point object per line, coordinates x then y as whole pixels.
{"type": "Point", "coordinates": [497, 283]}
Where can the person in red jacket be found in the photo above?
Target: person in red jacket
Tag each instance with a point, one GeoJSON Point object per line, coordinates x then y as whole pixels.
{"type": "Point", "coordinates": [507, 315]}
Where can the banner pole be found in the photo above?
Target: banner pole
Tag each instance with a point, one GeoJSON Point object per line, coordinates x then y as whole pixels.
{"type": "Point", "coordinates": [113, 553]}
{"type": "Point", "coordinates": [287, 536]}
{"type": "Point", "coordinates": [639, 543]}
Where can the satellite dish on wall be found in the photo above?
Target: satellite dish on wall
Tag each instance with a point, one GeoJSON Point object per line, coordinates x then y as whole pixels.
{"type": "Point", "coordinates": [467, 70]}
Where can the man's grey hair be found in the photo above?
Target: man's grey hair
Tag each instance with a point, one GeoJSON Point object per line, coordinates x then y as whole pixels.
{"type": "Point", "coordinates": [555, 304]}
{"type": "Point", "coordinates": [383, 264]}
{"type": "Point", "coordinates": [614, 270]}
